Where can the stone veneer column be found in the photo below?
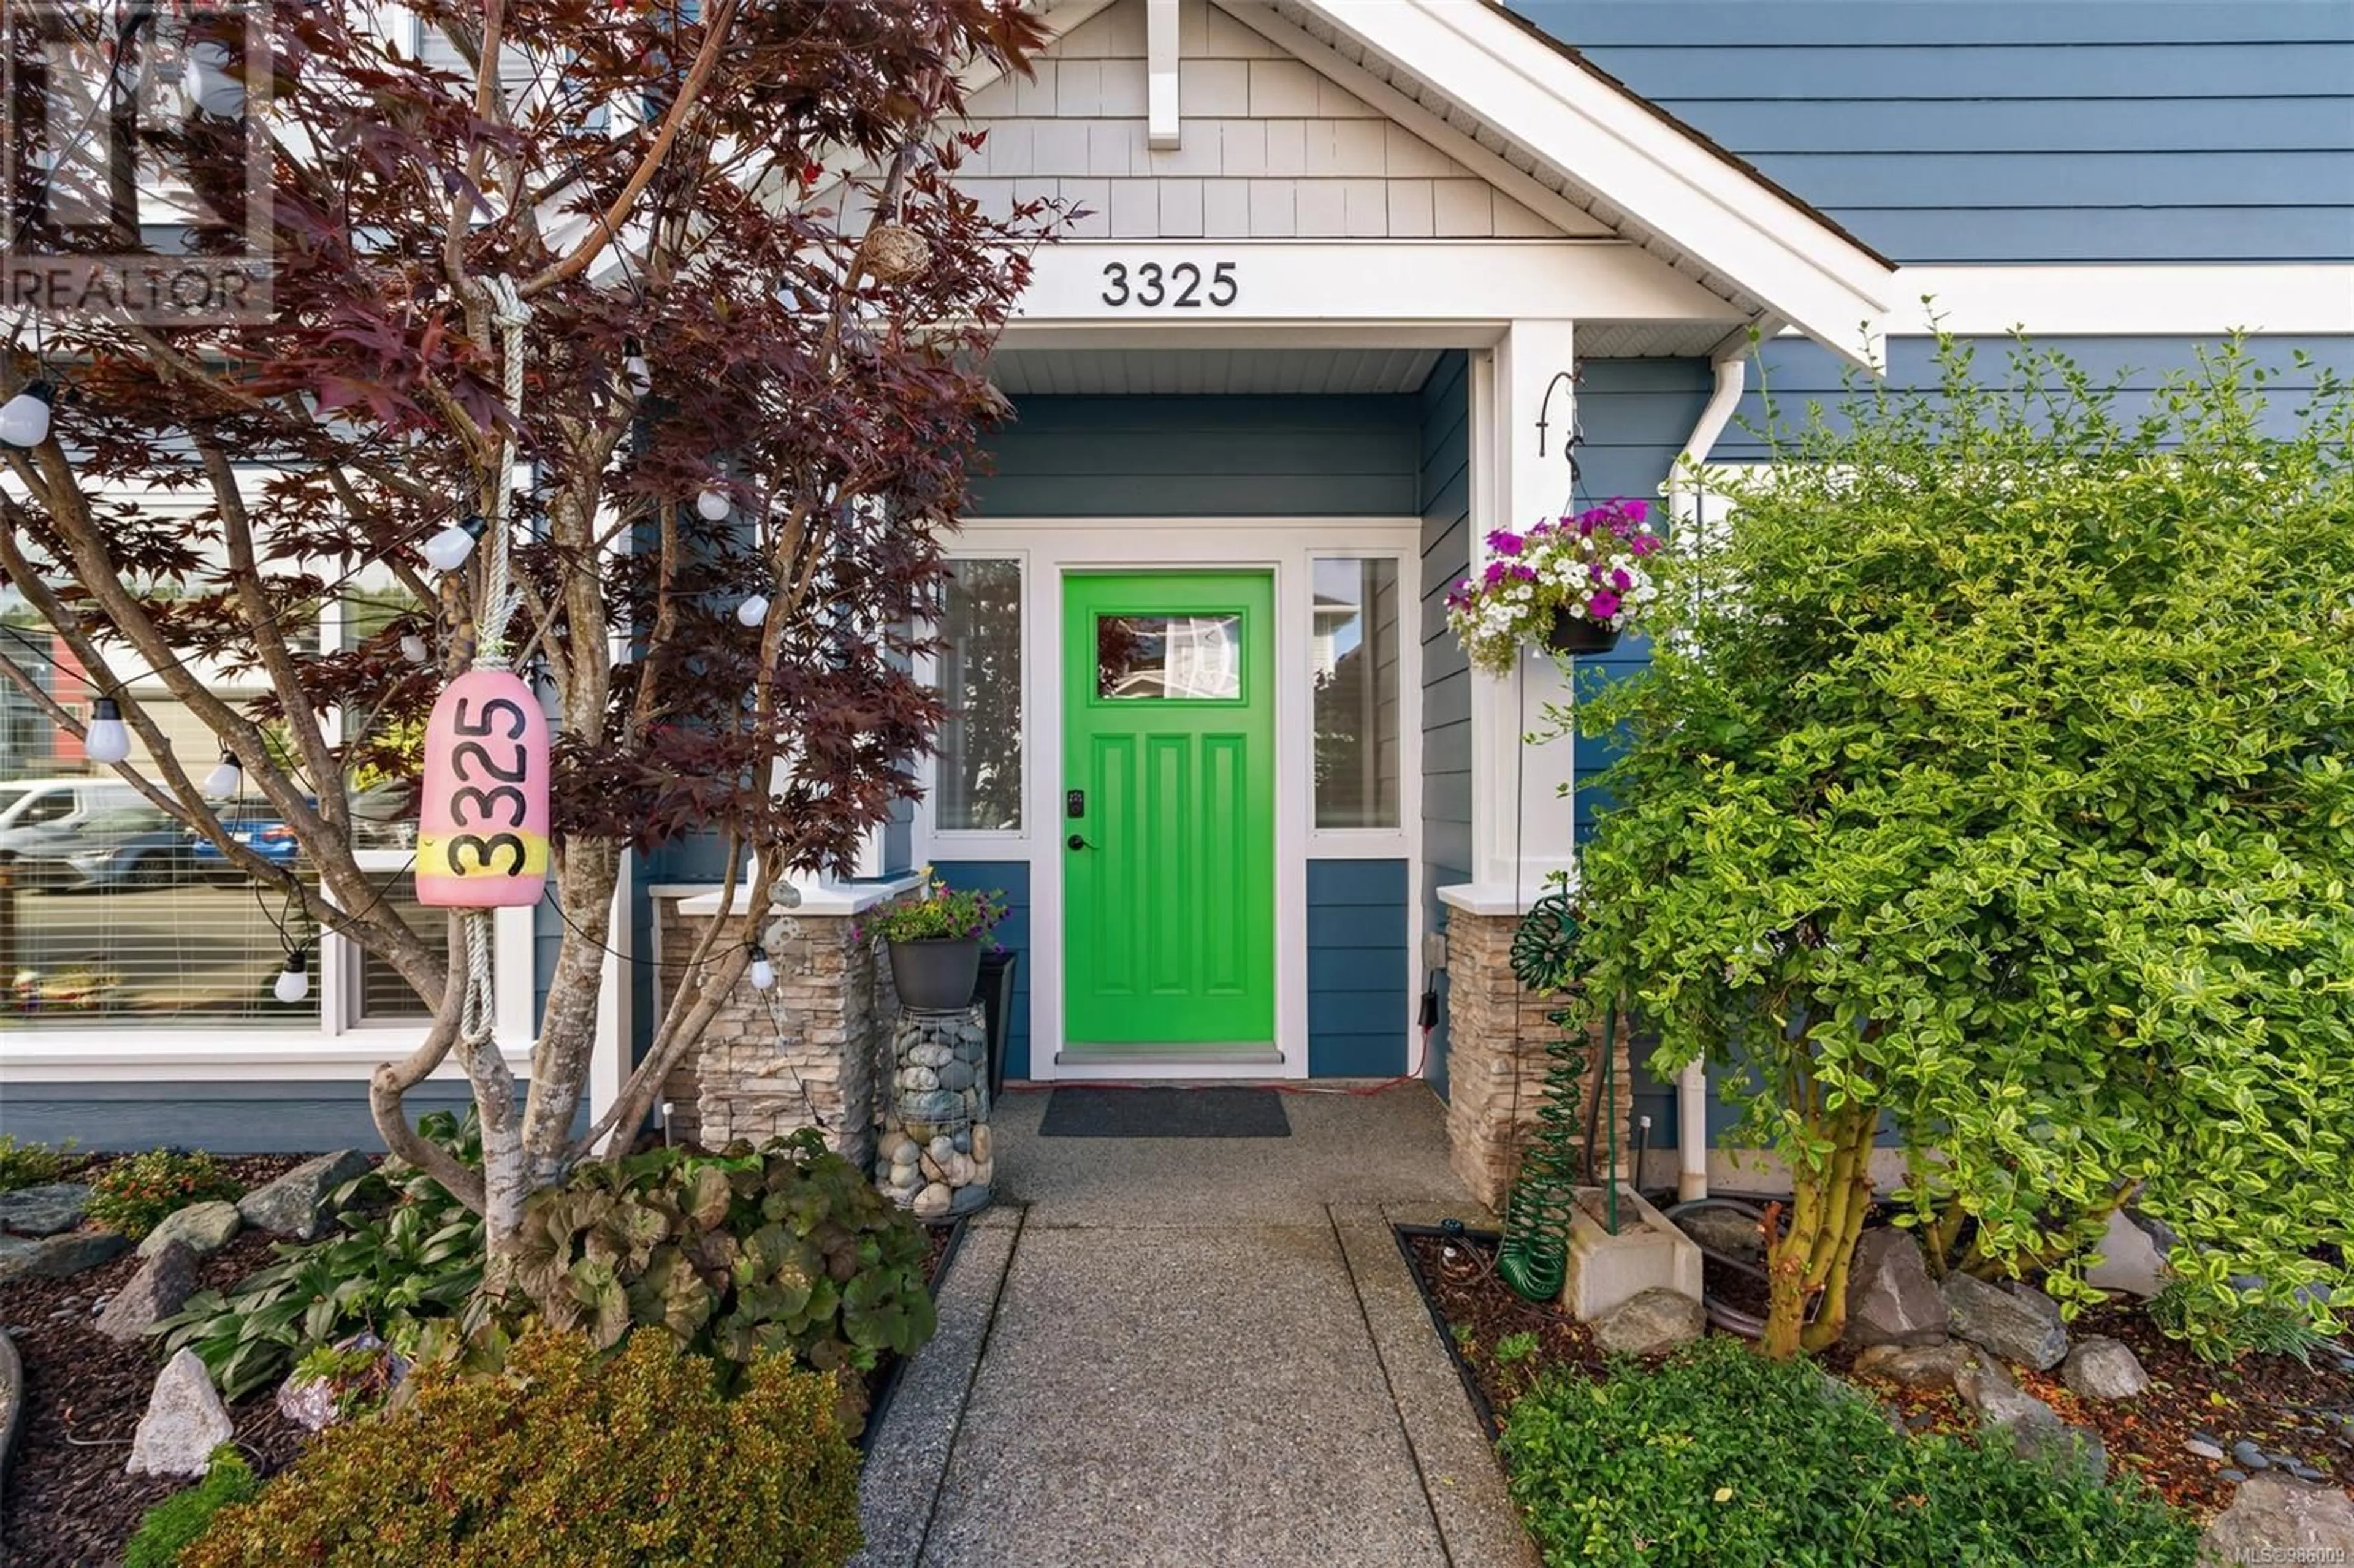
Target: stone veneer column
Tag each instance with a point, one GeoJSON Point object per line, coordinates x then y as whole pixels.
{"type": "Point", "coordinates": [801, 1053]}
{"type": "Point", "coordinates": [1497, 1032]}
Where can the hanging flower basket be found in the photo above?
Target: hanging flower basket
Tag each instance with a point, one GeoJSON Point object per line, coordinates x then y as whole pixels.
{"type": "Point", "coordinates": [1570, 585]}
{"type": "Point", "coordinates": [1575, 634]}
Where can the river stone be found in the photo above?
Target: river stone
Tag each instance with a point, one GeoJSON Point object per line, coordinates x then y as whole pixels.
{"type": "Point", "coordinates": [164, 1283]}
{"type": "Point", "coordinates": [929, 1106]}
{"type": "Point", "coordinates": [981, 1143]}
{"type": "Point", "coordinates": [59, 1256]}
{"type": "Point", "coordinates": [933, 1201]}
{"type": "Point", "coordinates": [12, 1402]}
{"type": "Point", "coordinates": [888, 1148]}
{"type": "Point", "coordinates": [2130, 1259]}
{"type": "Point", "coordinates": [930, 1055]}
{"type": "Point", "coordinates": [184, 1424]}
{"type": "Point", "coordinates": [1728, 1231]}
{"type": "Point", "coordinates": [2103, 1368]}
{"type": "Point", "coordinates": [203, 1228]}
{"type": "Point", "coordinates": [44, 1211]}
{"type": "Point", "coordinates": [2033, 1427]}
{"type": "Point", "coordinates": [2274, 1519]}
{"type": "Point", "coordinates": [2015, 1321]}
{"type": "Point", "coordinates": [295, 1204]}
{"type": "Point", "coordinates": [956, 1076]}
{"type": "Point", "coordinates": [919, 1079]}
{"type": "Point", "coordinates": [968, 1200]}
{"type": "Point", "coordinates": [1916, 1366]}
{"type": "Point", "coordinates": [1650, 1322]}
{"type": "Point", "coordinates": [1890, 1297]}
{"type": "Point", "coordinates": [941, 1147]}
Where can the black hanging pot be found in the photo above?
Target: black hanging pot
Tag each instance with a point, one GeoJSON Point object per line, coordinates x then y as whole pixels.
{"type": "Point", "coordinates": [1575, 634]}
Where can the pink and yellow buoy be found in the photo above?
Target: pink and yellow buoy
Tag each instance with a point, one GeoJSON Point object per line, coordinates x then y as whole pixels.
{"type": "Point", "coordinates": [481, 839]}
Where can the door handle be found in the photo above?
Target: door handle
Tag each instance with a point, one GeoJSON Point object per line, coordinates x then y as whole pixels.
{"type": "Point", "coordinates": [1077, 842]}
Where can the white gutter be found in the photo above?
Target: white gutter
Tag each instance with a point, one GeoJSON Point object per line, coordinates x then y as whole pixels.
{"type": "Point", "coordinates": [1730, 361]}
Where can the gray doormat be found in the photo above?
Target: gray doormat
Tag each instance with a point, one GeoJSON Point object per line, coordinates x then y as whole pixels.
{"type": "Point", "coordinates": [1165, 1113]}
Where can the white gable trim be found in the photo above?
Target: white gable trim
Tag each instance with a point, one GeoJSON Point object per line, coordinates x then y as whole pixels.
{"type": "Point", "coordinates": [1665, 182]}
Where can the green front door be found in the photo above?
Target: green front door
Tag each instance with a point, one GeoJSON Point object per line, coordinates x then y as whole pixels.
{"type": "Point", "coordinates": [1169, 808]}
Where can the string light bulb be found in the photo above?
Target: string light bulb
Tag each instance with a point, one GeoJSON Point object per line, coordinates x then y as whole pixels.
{"type": "Point", "coordinates": [634, 369]}
{"type": "Point", "coordinates": [293, 983]}
{"type": "Point", "coordinates": [25, 419]}
{"type": "Point", "coordinates": [753, 610]}
{"type": "Point", "coordinates": [448, 550]}
{"type": "Point", "coordinates": [226, 778]}
{"type": "Point", "coordinates": [211, 87]}
{"type": "Point", "coordinates": [762, 974]}
{"type": "Point", "coordinates": [712, 506]}
{"type": "Point", "coordinates": [413, 648]}
{"type": "Point", "coordinates": [107, 738]}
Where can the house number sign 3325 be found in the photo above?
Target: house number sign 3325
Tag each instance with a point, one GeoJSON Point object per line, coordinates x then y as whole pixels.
{"type": "Point", "coordinates": [1185, 286]}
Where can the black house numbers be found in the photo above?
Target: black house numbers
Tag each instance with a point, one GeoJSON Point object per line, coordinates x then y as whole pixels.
{"type": "Point", "coordinates": [1185, 286]}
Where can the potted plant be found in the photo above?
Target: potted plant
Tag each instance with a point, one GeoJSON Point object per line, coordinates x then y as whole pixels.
{"type": "Point", "coordinates": [1571, 585]}
{"type": "Point", "coordinates": [934, 939]}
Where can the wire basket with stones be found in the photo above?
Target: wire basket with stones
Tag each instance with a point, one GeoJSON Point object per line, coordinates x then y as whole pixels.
{"type": "Point", "coordinates": [934, 1157]}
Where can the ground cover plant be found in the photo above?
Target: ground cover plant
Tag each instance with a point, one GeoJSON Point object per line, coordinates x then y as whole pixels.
{"type": "Point", "coordinates": [135, 1195]}
{"type": "Point", "coordinates": [1723, 1457]}
{"type": "Point", "coordinates": [565, 1457]}
{"type": "Point", "coordinates": [171, 1525]}
{"type": "Point", "coordinates": [31, 1164]}
{"type": "Point", "coordinates": [1991, 786]}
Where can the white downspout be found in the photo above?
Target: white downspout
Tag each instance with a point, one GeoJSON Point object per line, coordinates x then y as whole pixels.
{"type": "Point", "coordinates": [1731, 365]}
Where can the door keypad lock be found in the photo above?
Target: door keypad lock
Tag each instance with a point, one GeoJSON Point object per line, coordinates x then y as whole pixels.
{"type": "Point", "coordinates": [1075, 803]}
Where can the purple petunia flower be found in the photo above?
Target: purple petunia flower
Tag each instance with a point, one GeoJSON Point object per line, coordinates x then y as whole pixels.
{"type": "Point", "coordinates": [1603, 605]}
{"type": "Point", "coordinates": [1643, 544]}
{"type": "Point", "coordinates": [1635, 510]}
{"type": "Point", "coordinates": [1621, 581]}
{"type": "Point", "coordinates": [1525, 573]}
{"type": "Point", "coordinates": [1594, 571]}
{"type": "Point", "coordinates": [1495, 573]}
{"type": "Point", "coordinates": [1504, 543]}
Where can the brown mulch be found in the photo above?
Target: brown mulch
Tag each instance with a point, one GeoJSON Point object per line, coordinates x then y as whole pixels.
{"type": "Point", "coordinates": [69, 1501]}
{"type": "Point", "coordinates": [2274, 1400]}
{"type": "Point", "coordinates": [250, 1171]}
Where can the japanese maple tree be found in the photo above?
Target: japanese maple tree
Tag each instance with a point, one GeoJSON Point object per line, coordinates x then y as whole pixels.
{"type": "Point", "coordinates": [743, 266]}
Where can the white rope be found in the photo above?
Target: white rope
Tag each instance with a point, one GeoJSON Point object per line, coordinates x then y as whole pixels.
{"type": "Point", "coordinates": [507, 310]}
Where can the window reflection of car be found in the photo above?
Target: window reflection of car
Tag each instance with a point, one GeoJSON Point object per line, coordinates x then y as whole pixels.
{"type": "Point", "coordinates": [383, 816]}
{"type": "Point", "coordinates": [114, 849]}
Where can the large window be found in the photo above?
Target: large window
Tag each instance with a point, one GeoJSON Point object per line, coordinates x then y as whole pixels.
{"type": "Point", "coordinates": [1354, 630]}
{"type": "Point", "coordinates": [980, 777]}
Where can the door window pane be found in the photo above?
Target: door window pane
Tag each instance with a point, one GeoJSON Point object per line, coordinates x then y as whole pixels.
{"type": "Point", "coordinates": [980, 787]}
{"type": "Point", "coordinates": [1355, 641]}
{"type": "Point", "coordinates": [1195, 657]}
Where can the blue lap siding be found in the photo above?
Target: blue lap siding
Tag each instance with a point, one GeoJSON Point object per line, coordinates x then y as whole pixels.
{"type": "Point", "coordinates": [1444, 486]}
{"type": "Point", "coordinates": [2009, 131]}
{"type": "Point", "coordinates": [1359, 970]}
{"type": "Point", "coordinates": [292, 1116]}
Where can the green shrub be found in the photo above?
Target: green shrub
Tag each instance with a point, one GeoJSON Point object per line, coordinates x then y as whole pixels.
{"type": "Point", "coordinates": [2216, 1331]}
{"type": "Point", "coordinates": [1722, 1457]}
{"type": "Point", "coordinates": [393, 1270]}
{"type": "Point", "coordinates": [30, 1164]}
{"type": "Point", "coordinates": [568, 1457]}
{"type": "Point", "coordinates": [165, 1530]}
{"type": "Point", "coordinates": [788, 1247]}
{"type": "Point", "coordinates": [135, 1195]}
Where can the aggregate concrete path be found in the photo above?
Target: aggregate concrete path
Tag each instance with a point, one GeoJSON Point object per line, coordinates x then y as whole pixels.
{"type": "Point", "coordinates": [1194, 1351]}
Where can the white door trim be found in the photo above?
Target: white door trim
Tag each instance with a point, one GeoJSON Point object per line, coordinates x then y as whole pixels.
{"type": "Point", "coordinates": [1051, 548]}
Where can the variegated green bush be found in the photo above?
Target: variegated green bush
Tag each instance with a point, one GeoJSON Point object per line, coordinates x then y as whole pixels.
{"type": "Point", "coordinates": [1991, 783]}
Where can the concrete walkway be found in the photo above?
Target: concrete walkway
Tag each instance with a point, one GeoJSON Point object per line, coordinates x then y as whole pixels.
{"type": "Point", "coordinates": [1194, 1351]}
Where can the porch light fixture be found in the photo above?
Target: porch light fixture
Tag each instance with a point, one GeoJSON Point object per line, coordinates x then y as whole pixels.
{"type": "Point", "coordinates": [714, 506]}
{"type": "Point", "coordinates": [762, 974]}
{"type": "Point", "coordinates": [293, 981]}
{"type": "Point", "coordinates": [107, 738]}
{"type": "Point", "coordinates": [226, 776]}
{"type": "Point", "coordinates": [448, 550]}
{"type": "Point", "coordinates": [25, 419]}
{"type": "Point", "coordinates": [753, 610]}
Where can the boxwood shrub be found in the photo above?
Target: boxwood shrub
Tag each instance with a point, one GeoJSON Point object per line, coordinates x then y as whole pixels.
{"type": "Point", "coordinates": [1720, 1457]}
{"type": "Point", "coordinates": [567, 1457]}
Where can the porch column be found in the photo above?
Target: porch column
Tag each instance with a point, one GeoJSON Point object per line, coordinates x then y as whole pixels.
{"type": "Point", "coordinates": [1522, 811]}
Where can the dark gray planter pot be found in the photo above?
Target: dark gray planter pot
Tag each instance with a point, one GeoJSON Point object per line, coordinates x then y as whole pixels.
{"type": "Point", "coordinates": [937, 976]}
{"type": "Point", "coordinates": [1574, 634]}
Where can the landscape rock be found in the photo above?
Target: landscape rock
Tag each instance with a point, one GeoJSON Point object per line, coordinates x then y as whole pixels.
{"type": "Point", "coordinates": [56, 1257]}
{"type": "Point", "coordinates": [44, 1211]}
{"type": "Point", "coordinates": [1891, 1300]}
{"type": "Point", "coordinates": [932, 1202]}
{"type": "Point", "coordinates": [1731, 1232]}
{"type": "Point", "coordinates": [184, 1424]}
{"type": "Point", "coordinates": [2015, 1321]}
{"type": "Point", "coordinates": [164, 1283]}
{"type": "Point", "coordinates": [2248, 1456]}
{"type": "Point", "coordinates": [1916, 1366]}
{"type": "Point", "coordinates": [293, 1204]}
{"type": "Point", "coordinates": [2032, 1427]}
{"type": "Point", "coordinates": [11, 1403]}
{"type": "Point", "coordinates": [1650, 1322]}
{"type": "Point", "coordinates": [2274, 1519]}
{"type": "Point", "coordinates": [2203, 1447]}
{"type": "Point", "coordinates": [203, 1228]}
{"type": "Point", "coordinates": [2131, 1260]}
{"type": "Point", "coordinates": [2103, 1368]}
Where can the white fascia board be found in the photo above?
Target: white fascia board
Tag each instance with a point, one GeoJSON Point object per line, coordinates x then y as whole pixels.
{"type": "Point", "coordinates": [2120, 300]}
{"type": "Point", "coordinates": [1333, 281]}
{"type": "Point", "coordinates": [1732, 224]}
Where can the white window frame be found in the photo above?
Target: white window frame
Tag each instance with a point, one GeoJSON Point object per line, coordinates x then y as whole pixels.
{"type": "Point", "coordinates": [953, 841]}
